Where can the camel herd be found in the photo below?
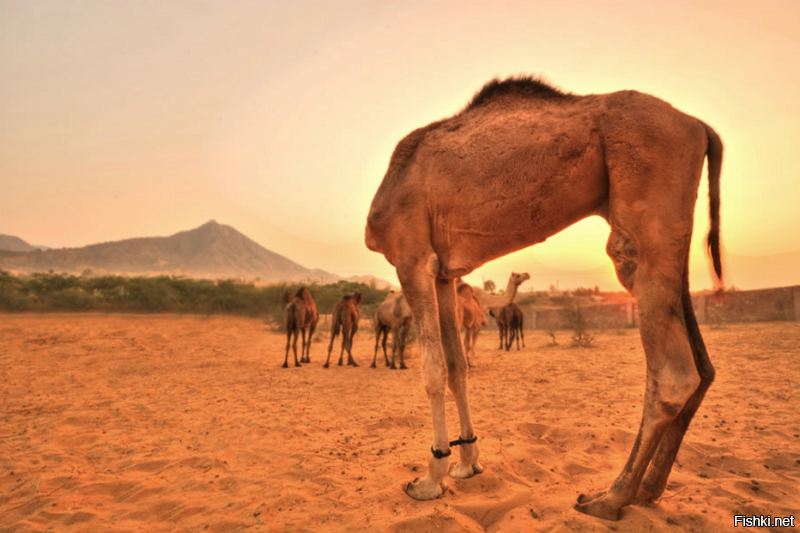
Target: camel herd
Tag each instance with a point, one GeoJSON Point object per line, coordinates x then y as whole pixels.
{"type": "Point", "coordinates": [394, 316]}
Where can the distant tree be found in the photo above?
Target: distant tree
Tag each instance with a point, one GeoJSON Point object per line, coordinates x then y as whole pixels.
{"type": "Point", "coordinates": [489, 286]}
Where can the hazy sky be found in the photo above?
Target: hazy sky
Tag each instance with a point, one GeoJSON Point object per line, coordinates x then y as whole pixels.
{"type": "Point", "coordinates": [122, 119]}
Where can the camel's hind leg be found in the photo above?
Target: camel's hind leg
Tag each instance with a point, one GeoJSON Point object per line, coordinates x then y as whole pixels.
{"type": "Point", "coordinates": [294, 348]}
{"type": "Point", "coordinates": [334, 334]}
{"type": "Point", "coordinates": [288, 345]}
{"type": "Point", "coordinates": [307, 350]}
{"type": "Point", "coordinates": [417, 279]}
{"type": "Point", "coordinates": [467, 345]}
{"type": "Point", "coordinates": [653, 269]}
{"type": "Point", "coordinates": [655, 480]}
{"type": "Point", "coordinates": [303, 345]}
{"type": "Point", "coordinates": [455, 359]}
{"type": "Point", "coordinates": [379, 330]}
{"type": "Point", "coordinates": [403, 333]}
{"type": "Point", "coordinates": [344, 344]}
{"type": "Point", "coordinates": [512, 334]}
{"type": "Point", "coordinates": [349, 341]}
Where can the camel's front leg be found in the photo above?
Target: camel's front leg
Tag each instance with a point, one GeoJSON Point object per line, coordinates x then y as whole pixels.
{"type": "Point", "coordinates": [468, 464]}
{"type": "Point", "coordinates": [418, 286]}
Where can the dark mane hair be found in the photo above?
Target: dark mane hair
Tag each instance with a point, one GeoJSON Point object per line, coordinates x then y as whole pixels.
{"type": "Point", "coordinates": [300, 292]}
{"type": "Point", "coordinates": [526, 86]}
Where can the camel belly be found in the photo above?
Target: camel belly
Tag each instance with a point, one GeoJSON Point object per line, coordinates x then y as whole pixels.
{"type": "Point", "coordinates": [517, 199]}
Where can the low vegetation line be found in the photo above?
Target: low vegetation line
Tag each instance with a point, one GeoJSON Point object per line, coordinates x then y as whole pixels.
{"type": "Point", "coordinates": [49, 292]}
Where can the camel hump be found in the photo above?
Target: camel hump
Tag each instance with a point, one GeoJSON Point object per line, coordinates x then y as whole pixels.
{"type": "Point", "coordinates": [302, 292]}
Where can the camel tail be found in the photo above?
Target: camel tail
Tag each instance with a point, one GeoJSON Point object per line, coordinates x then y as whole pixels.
{"type": "Point", "coordinates": [289, 320]}
{"type": "Point", "coordinates": [714, 155]}
{"type": "Point", "coordinates": [336, 323]}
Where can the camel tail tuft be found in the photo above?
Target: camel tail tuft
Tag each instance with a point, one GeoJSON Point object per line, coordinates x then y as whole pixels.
{"type": "Point", "coordinates": [714, 155]}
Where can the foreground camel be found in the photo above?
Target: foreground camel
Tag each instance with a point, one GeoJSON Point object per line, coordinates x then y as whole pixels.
{"type": "Point", "coordinates": [301, 314]}
{"type": "Point", "coordinates": [471, 317]}
{"type": "Point", "coordinates": [346, 315]}
{"type": "Point", "coordinates": [393, 315]}
{"type": "Point", "coordinates": [520, 163]}
{"type": "Point", "coordinates": [510, 321]}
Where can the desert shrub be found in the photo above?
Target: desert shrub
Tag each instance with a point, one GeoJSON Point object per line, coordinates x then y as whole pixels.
{"type": "Point", "coordinates": [580, 334]}
{"type": "Point", "coordinates": [70, 300]}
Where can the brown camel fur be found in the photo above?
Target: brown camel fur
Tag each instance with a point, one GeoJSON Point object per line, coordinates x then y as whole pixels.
{"type": "Point", "coordinates": [346, 315]}
{"type": "Point", "coordinates": [510, 321]}
{"type": "Point", "coordinates": [393, 315]}
{"type": "Point", "coordinates": [471, 317]}
{"type": "Point", "coordinates": [520, 163]}
{"type": "Point", "coordinates": [301, 314]}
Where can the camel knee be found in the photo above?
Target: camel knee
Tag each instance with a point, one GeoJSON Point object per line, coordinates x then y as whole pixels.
{"type": "Point", "coordinates": [670, 392]}
{"type": "Point", "coordinates": [624, 255]}
{"type": "Point", "coordinates": [435, 378]}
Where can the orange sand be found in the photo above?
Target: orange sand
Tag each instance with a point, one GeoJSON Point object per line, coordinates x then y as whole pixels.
{"type": "Point", "coordinates": [183, 423]}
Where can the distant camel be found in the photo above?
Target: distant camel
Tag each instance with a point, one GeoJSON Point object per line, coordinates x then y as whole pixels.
{"type": "Point", "coordinates": [521, 162]}
{"type": "Point", "coordinates": [510, 321]}
{"type": "Point", "coordinates": [498, 301]}
{"type": "Point", "coordinates": [392, 315]}
{"type": "Point", "coordinates": [301, 313]}
{"type": "Point", "coordinates": [471, 317]}
{"type": "Point", "coordinates": [346, 315]}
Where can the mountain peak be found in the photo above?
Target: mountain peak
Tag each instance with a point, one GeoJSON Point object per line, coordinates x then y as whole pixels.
{"type": "Point", "coordinates": [210, 250]}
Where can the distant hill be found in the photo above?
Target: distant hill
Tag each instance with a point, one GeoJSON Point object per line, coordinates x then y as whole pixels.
{"type": "Point", "coordinates": [212, 250]}
{"type": "Point", "coordinates": [368, 279]}
{"type": "Point", "coordinates": [15, 244]}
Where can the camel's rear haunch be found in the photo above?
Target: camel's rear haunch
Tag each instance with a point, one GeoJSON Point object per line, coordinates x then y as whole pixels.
{"type": "Point", "coordinates": [520, 163]}
{"type": "Point", "coordinates": [346, 315]}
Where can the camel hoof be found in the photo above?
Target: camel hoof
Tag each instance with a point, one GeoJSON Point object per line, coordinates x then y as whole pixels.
{"type": "Point", "coordinates": [647, 497]}
{"type": "Point", "coordinates": [424, 489]}
{"type": "Point", "coordinates": [393, 367]}
{"type": "Point", "coordinates": [460, 471]}
{"type": "Point", "coordinates": [403, 367]}
{"type": "Point", "coordinates": [599, 508]}
{"type": "Point", "coordinates": [373, 365]}
{"type": "Point", "coordinates": [586, 498]}
{"type": "Point", "coordinates": [284, 365]}
{"type": "Point", "coordinates": [325, 365]}
{"type": "Point", "coordinates": [340, 363]}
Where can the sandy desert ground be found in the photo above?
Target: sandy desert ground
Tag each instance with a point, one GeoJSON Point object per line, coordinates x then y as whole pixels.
{"type": "Point", "coordinates": [183, 423]}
